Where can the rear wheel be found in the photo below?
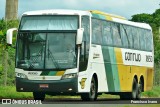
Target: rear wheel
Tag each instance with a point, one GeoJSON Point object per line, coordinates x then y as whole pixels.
{"type": "Point", "coordinates": [134, 89]}
{"type": "Point", "coordinates": [39, 96]}
{"type": "Point", "coordinates": [140, 88]}
{"type": "Point", "coordinates": [92, 95]}
{"type": "Point", "coordinates": [131, 95]}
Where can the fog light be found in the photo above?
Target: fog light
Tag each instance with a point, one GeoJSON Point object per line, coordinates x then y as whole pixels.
{"type": "Point", "coordinates": [70, 89]}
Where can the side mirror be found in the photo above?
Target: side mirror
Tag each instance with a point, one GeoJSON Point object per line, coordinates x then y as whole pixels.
{"type": "Point", "coordinates": [10, 35]}
{"type": "Point", "coordinates": [79, 36]}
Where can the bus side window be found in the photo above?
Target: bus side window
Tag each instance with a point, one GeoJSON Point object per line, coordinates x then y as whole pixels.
{"type": "Point", "coordinates": [151, 40]}
{"type": "Point", "coordinates": [116, 35]}
{"type": "Point", "coordinates": [148, 40]}
{"type": "Point", "coordinates": [124, 37]}
{"type": "Point", "coordinates": [129, 35]}
{"type": "Point", "coordinates": [107, 38]}
{"type": "Point", "coordinates": [96, 31]}
{"type": "Point", "coordinates": [135, 32]}
{"type": "Point", "coordinates": [143, 40]}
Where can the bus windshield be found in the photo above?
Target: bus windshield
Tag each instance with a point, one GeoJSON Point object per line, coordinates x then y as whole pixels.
{"type": "Point", "coordinates": [47, 42]}
{"type": "Point", "coordinates": [48, 22]}
{"type": "Point", "coordinates": [46, 51]}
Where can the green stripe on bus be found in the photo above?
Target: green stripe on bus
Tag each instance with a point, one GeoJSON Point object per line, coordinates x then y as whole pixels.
{"type": "Point", "coordinates": [95, 15]}
{"type": "Point", "coordinates": [111, 69]}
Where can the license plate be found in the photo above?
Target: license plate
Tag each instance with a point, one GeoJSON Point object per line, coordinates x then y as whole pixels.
{"type": "Point", "coordinates": [43, 86]}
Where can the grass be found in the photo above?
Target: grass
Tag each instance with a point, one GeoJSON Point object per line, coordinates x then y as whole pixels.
{"type": "Point", "coordinates": [10, 92]}
{"type": "Point", "coordinates": [155, 92]}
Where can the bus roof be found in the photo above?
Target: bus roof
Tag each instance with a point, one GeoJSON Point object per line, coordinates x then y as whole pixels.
{"type": "Point", "coordinates": [58, 12]}
{"type": "Point", "coordinates": [107, 14]}
{"type": "Point", "coordinates": [93, 13]}
{"type": "Point", "coordinates": [136, 24]}
{"type": "Point", "coordinates": [118, 19]}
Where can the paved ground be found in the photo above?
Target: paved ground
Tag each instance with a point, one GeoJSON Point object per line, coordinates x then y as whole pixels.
{"type": "Point", "coordinates": [66, 101]}
{"type": "Point", "coordinates": [101, 101]}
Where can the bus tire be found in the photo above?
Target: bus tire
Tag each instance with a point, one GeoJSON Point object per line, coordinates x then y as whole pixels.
{"type": "Point", "coordinates": [134, 92]}
{"type": "Point", "coordinates": [140, 88]}
{"type": "Point", "coordinates": [39, 96]}
{"type": "Point", "coordinates": [92, 95]}
{"type": "Point", "coordinates": [130, 95]}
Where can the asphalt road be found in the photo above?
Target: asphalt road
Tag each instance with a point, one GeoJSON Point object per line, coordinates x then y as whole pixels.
{"type": "Point", "coordinates": [79, 101]}
{"type": "Point", "coordinates": [101, 101]}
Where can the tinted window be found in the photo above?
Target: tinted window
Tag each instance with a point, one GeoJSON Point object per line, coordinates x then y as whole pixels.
{"type": "Point", "coordinates": [96, 31]}
{"type": "Point", "coordinates": [124, 36]}
{"type": "Point", "coordinates": [116, 35]}
{"type": "Point", "coordinates": [107, 34]}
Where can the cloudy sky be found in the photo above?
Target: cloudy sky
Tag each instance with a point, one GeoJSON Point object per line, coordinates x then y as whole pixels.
{"type": "Point", "coordinates": [125, 8]}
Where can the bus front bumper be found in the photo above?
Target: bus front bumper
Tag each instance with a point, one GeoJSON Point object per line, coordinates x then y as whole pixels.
{"type": "Point", "coordinates": [55, 86]}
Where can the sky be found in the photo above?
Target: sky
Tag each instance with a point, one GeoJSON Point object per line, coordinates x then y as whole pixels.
{"type": "Point", "coordinates": [125, 8]}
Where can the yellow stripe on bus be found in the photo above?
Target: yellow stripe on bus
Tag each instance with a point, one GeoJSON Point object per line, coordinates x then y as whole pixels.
{"type": "Point", "coordinates": [127, 73]}
{"type": "Point", "coordinates": [109, 18]}
{"type": "Point", "coordinates": [60, 73]}
{"type": "Point", "coordinates": [122, 71]}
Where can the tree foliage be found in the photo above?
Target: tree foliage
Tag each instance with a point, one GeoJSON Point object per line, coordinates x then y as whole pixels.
{"type": "Point", "coordinates": [6, 54]}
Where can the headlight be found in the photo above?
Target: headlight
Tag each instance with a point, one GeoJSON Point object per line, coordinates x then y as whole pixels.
{"type": "Point", "coordinates": [73, 75]}
{"type": "Point", "coordinates": [20, 75]}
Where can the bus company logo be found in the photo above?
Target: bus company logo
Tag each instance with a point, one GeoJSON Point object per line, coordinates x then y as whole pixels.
{"type": "Point", "coordinates": [129, 56]}
{"type": "Point", "coordinates": [82, 82]}
{"type": "Point", "coordinates": [96, 55]}
{"type": "Point", "coordinates": [43, 77]}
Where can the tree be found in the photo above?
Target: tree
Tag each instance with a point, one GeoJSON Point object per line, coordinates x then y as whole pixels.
{"type": "Point", "coordinates": [145, 18]}
{"type": "Point", "coordinates": [5, 50]}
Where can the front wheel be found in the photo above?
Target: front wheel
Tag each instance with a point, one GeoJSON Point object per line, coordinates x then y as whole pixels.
{"type": "Point", "coordinates": [39, 96]}
{"type": "Point", "coordinates": [92, 95]}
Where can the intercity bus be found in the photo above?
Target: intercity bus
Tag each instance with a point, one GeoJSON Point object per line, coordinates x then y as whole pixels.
{"type": "Point", "coordinates": [86, 53]}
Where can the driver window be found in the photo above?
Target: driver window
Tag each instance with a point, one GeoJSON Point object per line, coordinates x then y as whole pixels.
{"type": "Point", "coordinates": [85, 43]}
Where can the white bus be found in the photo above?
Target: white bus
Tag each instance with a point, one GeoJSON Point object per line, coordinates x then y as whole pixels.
{"type": "Point", "coordinates": [83, 53]}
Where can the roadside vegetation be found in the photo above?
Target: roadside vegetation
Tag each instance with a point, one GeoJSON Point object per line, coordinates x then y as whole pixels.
{"type": "Point", "coordinates": [155, 93]}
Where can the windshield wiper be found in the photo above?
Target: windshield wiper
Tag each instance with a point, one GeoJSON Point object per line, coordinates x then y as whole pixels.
{"type": "Point", "coordinates": [52, 57]}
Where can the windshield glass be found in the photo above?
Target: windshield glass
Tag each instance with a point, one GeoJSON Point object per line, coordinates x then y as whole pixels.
{"type": "Point", "coordinates": [46, 50]}
{"type": "Point", "coordinates": [54, 22]}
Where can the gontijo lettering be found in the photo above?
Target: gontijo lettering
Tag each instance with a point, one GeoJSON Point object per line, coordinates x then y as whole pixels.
{"type": "Point", "coordinates": [129, 56]}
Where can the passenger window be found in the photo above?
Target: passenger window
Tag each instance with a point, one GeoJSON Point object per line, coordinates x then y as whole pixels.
{"type": "Point", "coordinates": [107, 34]}
{"type": "Point", "coordinates": [116, 35]}
{"type": "Point", "coordinates": [136, 34]}
{"type": "Point", "coordinates": [96, 31]}
{"type": "Point", "coordinates": [124, 36]}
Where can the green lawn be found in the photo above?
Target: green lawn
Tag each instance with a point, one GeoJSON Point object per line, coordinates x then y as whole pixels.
{"type": "Point", "coordinates": [10, 92]}
{"type": "Point", "coordinates": [155, 92]}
